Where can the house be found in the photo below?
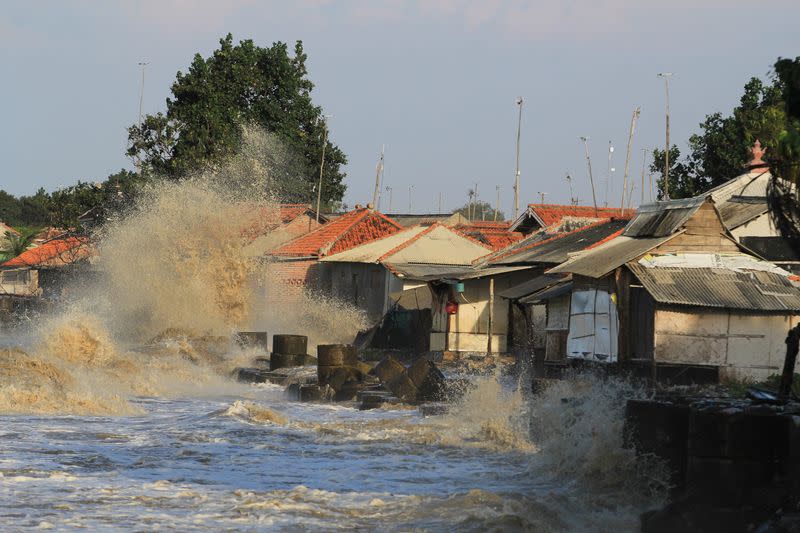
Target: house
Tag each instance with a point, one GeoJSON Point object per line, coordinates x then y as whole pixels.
{"type": "Point", "coordinates": [535, 327]}
{"type": "Point", "coordinates": [365, 275]}
{"type": "Point", "coordinates": [538, 217]}
{"type": "Point", "coordinates": [466, 314]}
{"type": "Point", "coordinates": [268, 226]}
{"type": "Point", "coordinates": [676, 295]}
{"type": "Point", "coordinates": [493, 233]}
{"type": "Point", "coordinates": [41, 271]}
{"type": "Point", "coordinates": [294, 264]}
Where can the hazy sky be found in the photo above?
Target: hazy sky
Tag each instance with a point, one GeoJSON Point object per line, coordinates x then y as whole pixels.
{"type": "Point", "coordinates": [434, 80]}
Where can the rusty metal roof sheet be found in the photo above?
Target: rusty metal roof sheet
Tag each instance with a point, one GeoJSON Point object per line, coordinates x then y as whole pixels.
{"type": "Point", "coordinates": [660, 219]}
{"type": "Point", "coordinates": [719, 288]}
{"type": "Point", "coordinates": [556, 249]}
{"type": "Point", "coordinates": [739, 210]}
{"type": "Point", "coordinates": [598, 262]}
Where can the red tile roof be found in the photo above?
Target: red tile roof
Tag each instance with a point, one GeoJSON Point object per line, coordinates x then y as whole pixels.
{"type": "Point", "coordinates": [54, 253]}
{"type": "Point", "coordinates": [347, 231]}
{"type": "Point", "coordinates": [492, 233]}
{"type": "Point", "coordinates": [289, 212]}
{"type": "Point", "coordinates": [551, 214]}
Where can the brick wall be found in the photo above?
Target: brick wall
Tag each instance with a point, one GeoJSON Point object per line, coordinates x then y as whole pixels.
{"type": "Point", "coordinates": [287, 280]}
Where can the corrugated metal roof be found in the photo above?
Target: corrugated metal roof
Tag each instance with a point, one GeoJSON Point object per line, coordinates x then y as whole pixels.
{"type": "Point", "coordinates": [550, 292]}
{"type": "Point", "coordinates": [599, 261]}
{"type": "Point", "coordinates": [739, 210]}
{"type": "Point", "coordinates": [660, 219]}
{"type": "Point", "coordinates": [429, 272]}
{"type": "Point", "coordinates": [556, 249]}
{"type": "Point", "coordinates": [532, 285]}
{"type": "Point", "coordinates": [435, 244]}
{"type": "Point", "coordinates": [753, 183]}
{"type": "Point", "coordinates": [719, 288]}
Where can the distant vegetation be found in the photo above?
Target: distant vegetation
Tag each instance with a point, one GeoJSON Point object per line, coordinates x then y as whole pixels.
{"type": "Point", "coordinates": [480, 210]}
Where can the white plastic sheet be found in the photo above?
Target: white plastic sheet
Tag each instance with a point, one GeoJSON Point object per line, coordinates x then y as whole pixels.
{"type": "Point", "coordinates": [593, 327]}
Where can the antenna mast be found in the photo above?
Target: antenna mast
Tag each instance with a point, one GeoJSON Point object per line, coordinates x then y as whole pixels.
{"type": "Point", "coordinates": [378, 176]}
{"type": "Point", "coordinates": [589, 164]}
{"type": "Point", "coordinates": [516, 174]}
{"type": "Point", "coordinates": [636, 113]}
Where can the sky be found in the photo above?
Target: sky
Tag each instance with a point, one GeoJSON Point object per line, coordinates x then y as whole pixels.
{"type": "Point", "coordinates": [435, 81]}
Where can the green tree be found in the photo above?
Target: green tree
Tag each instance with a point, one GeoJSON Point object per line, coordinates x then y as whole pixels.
{"type": "Point", "coordinates": [239, 84]}
{"type": "Point", "coordinates": [104, 199]}
{"type": "Point", "coordinates": [721, 151]}
{"type": "Point", "coordinates": [479, 210]}
{"type": "Point", "coordinates": [16, 243]}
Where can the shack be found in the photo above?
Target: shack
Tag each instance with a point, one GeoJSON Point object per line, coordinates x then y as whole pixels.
{"type": "Point", "coordinates": [366, 275]}
{"type": "Point", "coordinates": [529, 316]}
{"type": "Point", "coordinates": [675, 294]}
{"type": "Point", "coordinates": [294, 266]}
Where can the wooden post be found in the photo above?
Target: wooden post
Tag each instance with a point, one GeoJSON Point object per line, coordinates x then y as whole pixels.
{"type": "Point", "coordinates": [792, 346]}
{"type": "Point", "coordinates": [491, 315]}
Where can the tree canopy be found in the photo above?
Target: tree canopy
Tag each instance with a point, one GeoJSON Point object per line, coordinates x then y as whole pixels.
{"type": "Point", "coordinates": [721, 151]}
{"type": "Point", "coordinates": [480, 210]}
{"type": "Point", "coordinates": [241, 84]}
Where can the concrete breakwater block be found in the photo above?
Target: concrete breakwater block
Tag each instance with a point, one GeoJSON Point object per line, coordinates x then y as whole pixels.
{"type": "Point", "coordinates": [261, 362]}
{"type": "Point", "coordinates": [388, 369]}
{"type": "Point", "coordinates": [283, 360]}
{"type": "Point", "coordinates": [735, 433]}
{"type": "Point", "coordinates": [252, 339]}
{"type": "Point", "coordinates": [251, 375]}
{"type": "Point", "coordinates": [659, 428]}
{"type": "Point", "coordinates": [427, 378]}
{"type": "Point", "coordinates": [337, 355]}
{"type": "Point", "coordinates": [290, 344]}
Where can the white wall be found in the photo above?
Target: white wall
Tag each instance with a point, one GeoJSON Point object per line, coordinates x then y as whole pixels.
{"type": "Point", "coordinates": [743, 346]}
{"type": "Point", "coordinates": [761, 226]}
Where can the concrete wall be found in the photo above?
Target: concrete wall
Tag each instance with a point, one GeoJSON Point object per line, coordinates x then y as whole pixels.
{"type": "Point", "coordinates": [761, 226]}
{"type": "Point", "coordinates": [19, 282]}
{"type": "Point", "coordinates": [743, 346]}
{"type": "Point", "coordinates": [364, 285]}
{"type": "Point", "coordinates": [469, 327]}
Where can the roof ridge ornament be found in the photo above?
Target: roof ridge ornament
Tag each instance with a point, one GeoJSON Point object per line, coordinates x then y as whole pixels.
{"type": "Point", "coordinates": [757, 154]}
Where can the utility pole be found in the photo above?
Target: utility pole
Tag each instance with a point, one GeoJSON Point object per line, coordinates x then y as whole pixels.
{"type": "Point", "coordinates": [141, 91]}
{"type": "Point", "coordinates": [440, 204]}
{"type": "Point", "coordinates": [650, 174]}
{"type": "Point", "coordinates": [497, 203]}
{"type": "Point", "coordinates": [137, 160]}
{"type": "Point", "coordinates": [322, 161]}
{"type": "Point", "coordinates": [589, 164]}
{"type": "Point", "coordinates": [542, 195]}
{"type": "Point", "coordinates": [378, 176]}
{"type": "Point", "coordinates": [571, 195]}
{"type": "Point", "coordinates": [475, 209]}
{"type": "Point", "coordinates": [516, 174]}
{"type": "Point", "coordinates": [644, 160]}
{"type": "Point", "coordinates": [389, 190]}
{"type": "Point", "coordinates": [609, 170]}
{"type": "Point", "coordinates": [636, 113]}
{"type": "Point", "coordinates": [666, 76]}
{"type": "Point", "coordinates": [410, 198]}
